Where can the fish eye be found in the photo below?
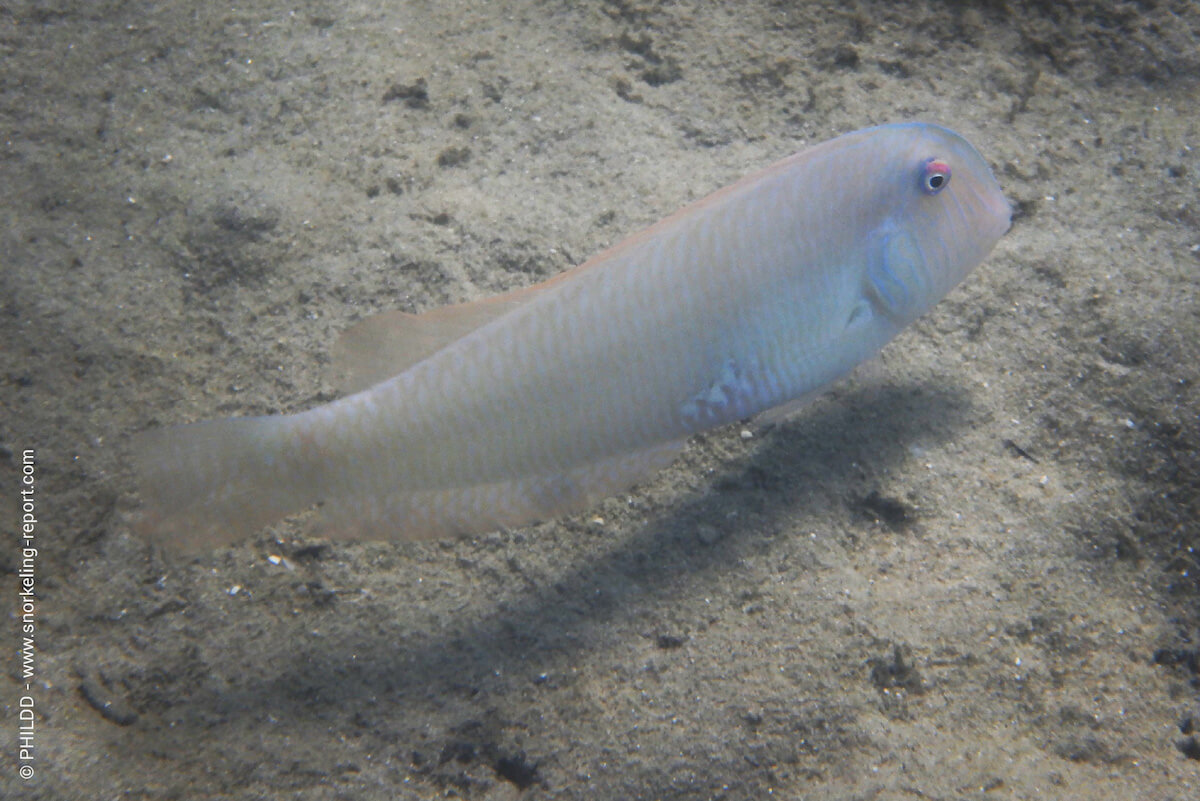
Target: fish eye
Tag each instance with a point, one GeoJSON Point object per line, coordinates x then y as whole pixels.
{"type": "Point", "coordinates": [935, 176]}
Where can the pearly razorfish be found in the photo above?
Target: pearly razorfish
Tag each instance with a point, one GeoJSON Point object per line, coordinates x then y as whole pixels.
{"type": "Point", "coordinates": [542, 401]}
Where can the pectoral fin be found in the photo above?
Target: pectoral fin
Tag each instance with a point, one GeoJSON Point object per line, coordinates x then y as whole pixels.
{"type": "Point", "coordinates": [896, 278]}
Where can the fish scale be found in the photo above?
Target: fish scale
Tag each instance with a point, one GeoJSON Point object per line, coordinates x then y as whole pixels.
{"type": "Point", "coordinates": [540, 402]}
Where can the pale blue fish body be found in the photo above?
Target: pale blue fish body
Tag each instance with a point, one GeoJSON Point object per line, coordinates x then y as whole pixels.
{"type": "Point", "coordinates": [540, 402]}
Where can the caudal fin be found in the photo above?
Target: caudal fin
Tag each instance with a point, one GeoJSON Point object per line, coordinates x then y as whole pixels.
{"type": "Point", "coordinates": [208, 484]}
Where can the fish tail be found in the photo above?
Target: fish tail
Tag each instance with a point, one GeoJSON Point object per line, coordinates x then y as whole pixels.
{"type": "Point", "coordinates": [208, 484]}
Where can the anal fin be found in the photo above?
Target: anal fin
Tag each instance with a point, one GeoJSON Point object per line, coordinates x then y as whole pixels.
{"type": "Point", "coordinates": [463, 511]}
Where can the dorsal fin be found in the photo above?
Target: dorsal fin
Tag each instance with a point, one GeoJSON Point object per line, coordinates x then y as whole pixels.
{"type": "Point", "coordinates": [386, 344]}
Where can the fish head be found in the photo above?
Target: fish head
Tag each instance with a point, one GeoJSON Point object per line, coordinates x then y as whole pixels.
{"type": "Point", "coordinates": [938, 213]}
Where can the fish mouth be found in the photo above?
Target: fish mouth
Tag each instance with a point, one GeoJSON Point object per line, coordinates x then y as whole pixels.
{"type": "Point", "coordinates": [999, 209]}
{"type": "Point", "coordinates": [986, 197]}
{"type": "Point", "coordinates": [991, 206]}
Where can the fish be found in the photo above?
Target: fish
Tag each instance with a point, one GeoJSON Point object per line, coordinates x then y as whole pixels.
{"type": "Point", "coordinates": [538, 403]}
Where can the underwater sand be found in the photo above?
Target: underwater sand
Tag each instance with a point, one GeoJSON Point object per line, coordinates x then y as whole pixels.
{"type": "Point", "coordinates": [969, 571]}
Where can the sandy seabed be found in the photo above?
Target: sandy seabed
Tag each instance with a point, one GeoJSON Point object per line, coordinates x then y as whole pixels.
{"type": "Point", "coordinates": [970, 571]}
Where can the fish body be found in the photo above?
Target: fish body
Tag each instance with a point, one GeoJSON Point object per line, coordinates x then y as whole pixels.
{"type": "Point", "coordinates": [540, 402]}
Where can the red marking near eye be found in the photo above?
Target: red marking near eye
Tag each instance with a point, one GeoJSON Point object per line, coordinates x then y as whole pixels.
{"type": "Point", "coordinates": [935, 176]}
